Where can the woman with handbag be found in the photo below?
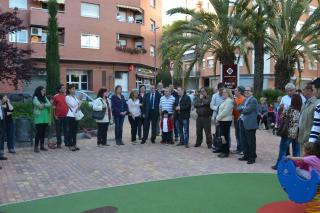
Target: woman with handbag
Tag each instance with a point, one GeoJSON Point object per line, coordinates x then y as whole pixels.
{"type": "Point", "coordinates": [41, 113]}
{"type": "Point", "coordinates": [224, 120]}
{"type": "Point", "coordinates": [73, 116]}
{"type": "Point", "coordinates": [134, 114]}
{"type": "Point", "coordinates": [102, 114]}
{"type": "Point", "coordinates": [119, 112]}
{"type": "Point", "coordinates": [288, 129]}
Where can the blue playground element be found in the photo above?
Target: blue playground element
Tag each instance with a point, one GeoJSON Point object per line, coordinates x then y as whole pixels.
{"type": "Point", "coordinates": [299, 190]}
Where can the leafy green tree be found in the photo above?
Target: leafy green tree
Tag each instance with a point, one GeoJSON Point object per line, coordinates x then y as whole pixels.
{"type": "Point", "coordinates": [289, 46]}
{"type": "Point", "coordinates": [52, 49]}
{"type": "Point", "coordinates": [254, 31]}
{"type": "Point", "coordinates": [205, 33]}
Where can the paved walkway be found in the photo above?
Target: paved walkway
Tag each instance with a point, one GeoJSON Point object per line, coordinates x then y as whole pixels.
{"type": "Point", "coordinates": [27, 175]}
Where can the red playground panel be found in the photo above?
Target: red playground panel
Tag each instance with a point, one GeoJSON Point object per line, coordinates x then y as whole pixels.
{"type": "Point", "coordinates": [283, 207]}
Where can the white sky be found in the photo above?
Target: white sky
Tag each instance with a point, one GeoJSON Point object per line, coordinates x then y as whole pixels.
{"type": "Point", "coordinates": [169, 4]}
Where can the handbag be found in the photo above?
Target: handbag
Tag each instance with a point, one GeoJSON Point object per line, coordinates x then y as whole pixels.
{"type": "Point", "coordinates": [79, 115]}
{"type": "Point", "coordinates": [217, 139]}
{"type": "Point", "coordinates": [98, 115]}
{"type": "Point", "coordinates": [283, 128]}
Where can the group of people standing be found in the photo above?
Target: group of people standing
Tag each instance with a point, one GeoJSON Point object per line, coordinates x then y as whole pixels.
{"type": "Point", "coordinates": [169, 109]}
{"type": "Point", "coordinates": [224, 108]}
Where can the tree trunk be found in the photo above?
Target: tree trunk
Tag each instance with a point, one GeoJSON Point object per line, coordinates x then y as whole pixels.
{"type": "Point", "coordinates": [282, 74]}
{"type": "Point", "coordinates": [258, 66]}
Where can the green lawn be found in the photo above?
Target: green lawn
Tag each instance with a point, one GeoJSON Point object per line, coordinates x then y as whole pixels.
{"type": "Point", "coordinates": [223, 193]}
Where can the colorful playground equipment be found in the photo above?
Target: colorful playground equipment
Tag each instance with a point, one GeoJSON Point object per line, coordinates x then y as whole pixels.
{"type": "Point", "coordinates": [299, 189]}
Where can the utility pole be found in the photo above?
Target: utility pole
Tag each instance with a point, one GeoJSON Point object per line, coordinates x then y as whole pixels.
{"type": "Point", "coordinates": [155, 54]}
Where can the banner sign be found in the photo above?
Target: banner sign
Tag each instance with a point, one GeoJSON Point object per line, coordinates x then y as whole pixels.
{"type": "Point", "coordinates": [230, 76]}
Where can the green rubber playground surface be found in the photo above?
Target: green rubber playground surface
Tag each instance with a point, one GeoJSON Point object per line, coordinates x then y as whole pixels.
{"type": "Point", "coordinates": [221, 193]}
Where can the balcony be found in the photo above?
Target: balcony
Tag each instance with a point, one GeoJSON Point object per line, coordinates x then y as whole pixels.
{"type": "Point", "coordinates": [130, 14]}
{"type": "Point", "coordinates": [130, 44]}
{"type": "Point", "coordinates": [39, 17]}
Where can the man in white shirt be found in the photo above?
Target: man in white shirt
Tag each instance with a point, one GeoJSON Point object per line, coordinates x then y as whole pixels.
{"type": "Point", "coordinates": [167, 102]}
{"type": "Point", "coordinates": [286, 100]}
{"type": "Point", "coordinates": [216, 100]}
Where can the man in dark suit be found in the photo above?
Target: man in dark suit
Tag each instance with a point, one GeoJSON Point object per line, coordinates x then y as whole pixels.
{"type": "Point", "coordinates": [2, 127]}
{"type": "Point", "coordinates": [248, 126]}
{"type": "Point", "coordinates": [182, 112]}
{"type": "Point", "coordinates": [150, 114]}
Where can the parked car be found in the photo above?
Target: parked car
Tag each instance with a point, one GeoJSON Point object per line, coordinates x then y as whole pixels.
{"type": "Point", "coordinates": [125, 94]}
{"type": "Point", "coordinates": [19, 97]}
{"type": "Point", "coordinates": [86, 95]}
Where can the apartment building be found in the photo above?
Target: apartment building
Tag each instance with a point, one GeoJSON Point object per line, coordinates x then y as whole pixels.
{"type": "Point", "coordinates": [102, 43]}
{"type": "Point", "coordinates": [202, 73]}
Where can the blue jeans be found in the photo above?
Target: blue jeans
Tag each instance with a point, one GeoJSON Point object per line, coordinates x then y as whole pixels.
{"type": "Point", "coordinates": [176, 128]}
{"type": "Point", "coordinates": [184, 131]}
{"type": "Point", "coordinates": [61, 126]}
{"type": "Point", "coordinates": [284, 145]}
{"type": "Point", "coordinates": [2, 132]}
{"type": "Point", "coordinates": [237, 128]}
{"type": "Point", "coordinates": [118, 122]}
{"type": "Point", "coordinates": [10, 135]}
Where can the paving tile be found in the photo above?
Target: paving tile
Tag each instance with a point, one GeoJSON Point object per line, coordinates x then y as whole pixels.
{"type": "Point", "coordinates": [27, 175]}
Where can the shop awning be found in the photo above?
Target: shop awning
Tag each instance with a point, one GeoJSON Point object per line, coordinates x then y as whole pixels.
{"type": "Point", "coordinates": [130, 7]}
{"type": "Point", "coordinates": [58, 1]}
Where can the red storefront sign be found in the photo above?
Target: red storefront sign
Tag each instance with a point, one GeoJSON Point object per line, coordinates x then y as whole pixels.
{"type": "Point", "coordinates": [230, 75]}
{"type": "Point", "coordinates": [131, 68]}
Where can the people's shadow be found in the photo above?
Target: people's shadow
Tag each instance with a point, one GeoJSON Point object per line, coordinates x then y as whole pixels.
{"type": "Point", "coordinates": [106, 209]}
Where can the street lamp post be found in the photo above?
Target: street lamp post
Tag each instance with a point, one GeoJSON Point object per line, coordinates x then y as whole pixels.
{"type": "Point", "coordinates": [155, 53]}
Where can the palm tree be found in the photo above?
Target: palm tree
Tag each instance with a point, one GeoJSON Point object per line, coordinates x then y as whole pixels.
{"type": "Point", "coordinates": [205, 33]}
{"type": "Point", "coordinates": [288, 45]}
{"type": "Point", "coordinates": [254, 30]}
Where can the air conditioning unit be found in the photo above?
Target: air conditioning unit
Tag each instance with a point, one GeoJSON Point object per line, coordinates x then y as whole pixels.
{"type": "Point", "coordinates": [36, 31]}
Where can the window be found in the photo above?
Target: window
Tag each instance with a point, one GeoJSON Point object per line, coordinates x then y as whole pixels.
{"type": "Point", "coordinates": [203, 63]}
{"type": "Point", "coordinates": [19, 36]}
{"type": "Point", "coordinates": [313, 65]}
{"type": "Point", "coordinates": [20, 4]}
{"type": "Point", "coordinates": [138, 44]}
{"type": "Point", "coordinates": [121, 16]}
{"type": "Point", "coordinates": [122, 43]}
{"type": "Point", "coordinates": [152, 3]}
{"type": "Point", "coordinates": [152, 25]}
{"type": "Point", "coordinates": [299, 26]}
{"type": "Point", "coordinates": [152, 49]}
{"type": "Point", "coordinates": [78, 78]}
{"type": "Point", "coordinates": [312, 9]}
{"type": "Point", "coordinates": [139, 19]}
{"type": "Point", "coordinates": [210, 63]}
{"type": "Point", "coordinates": [90, 41]}
{"type": "Point", "coordinates": [90, 10]}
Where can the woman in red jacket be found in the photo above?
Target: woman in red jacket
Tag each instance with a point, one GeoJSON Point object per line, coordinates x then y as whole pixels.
{"type": "Point", "coordinates": [167, 128]}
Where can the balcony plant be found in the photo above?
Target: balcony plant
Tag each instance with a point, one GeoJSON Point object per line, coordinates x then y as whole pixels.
{"type": "Point", "coordinates": [131, 50]}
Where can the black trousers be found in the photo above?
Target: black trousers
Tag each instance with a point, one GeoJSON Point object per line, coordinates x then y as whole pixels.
{"type": "Point", "coordinates": [225, 132]}
{"type": "Point", "coordinates": [72, 129]}
{"type": "Point", "coordinates": [40, 134]}
{"type": "Point", "coordinates": [102, 133]}
{"type": "Point", "coordinates": [61, 126]}
{"type": "Point", "coordinates": [264, 120]}
{"type": "Point", "coordinates": [248, 141]}
{"type": "Point", "coordinates": [153, 120]}
{"type": "Point", "coordinates": [167, 137]}
{"type": "Point", "coordinates": [140, 127]}
{"type": "Point", "coordinates": [134, 122]}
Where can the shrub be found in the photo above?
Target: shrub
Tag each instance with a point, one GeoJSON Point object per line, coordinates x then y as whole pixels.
{"type": "Point", "coordinates": [271, 95]}
{"type": "Point", "coordinates": [22, 110]}
{"type": "Point", "coordinates": [87, 121]}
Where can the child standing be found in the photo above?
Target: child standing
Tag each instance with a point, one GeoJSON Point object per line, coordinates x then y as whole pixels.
{"type": "Point", "coordinates": [167, 128]}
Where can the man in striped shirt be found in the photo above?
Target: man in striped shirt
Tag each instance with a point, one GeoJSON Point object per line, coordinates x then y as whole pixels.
{"type": "Point", "coordinates": [315, 131]}
{"type": "Point", "coordinates": [167, 102]}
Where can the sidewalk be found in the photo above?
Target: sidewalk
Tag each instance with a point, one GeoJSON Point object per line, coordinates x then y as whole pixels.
{"type": "Point", "coordinates": [27, 175]}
